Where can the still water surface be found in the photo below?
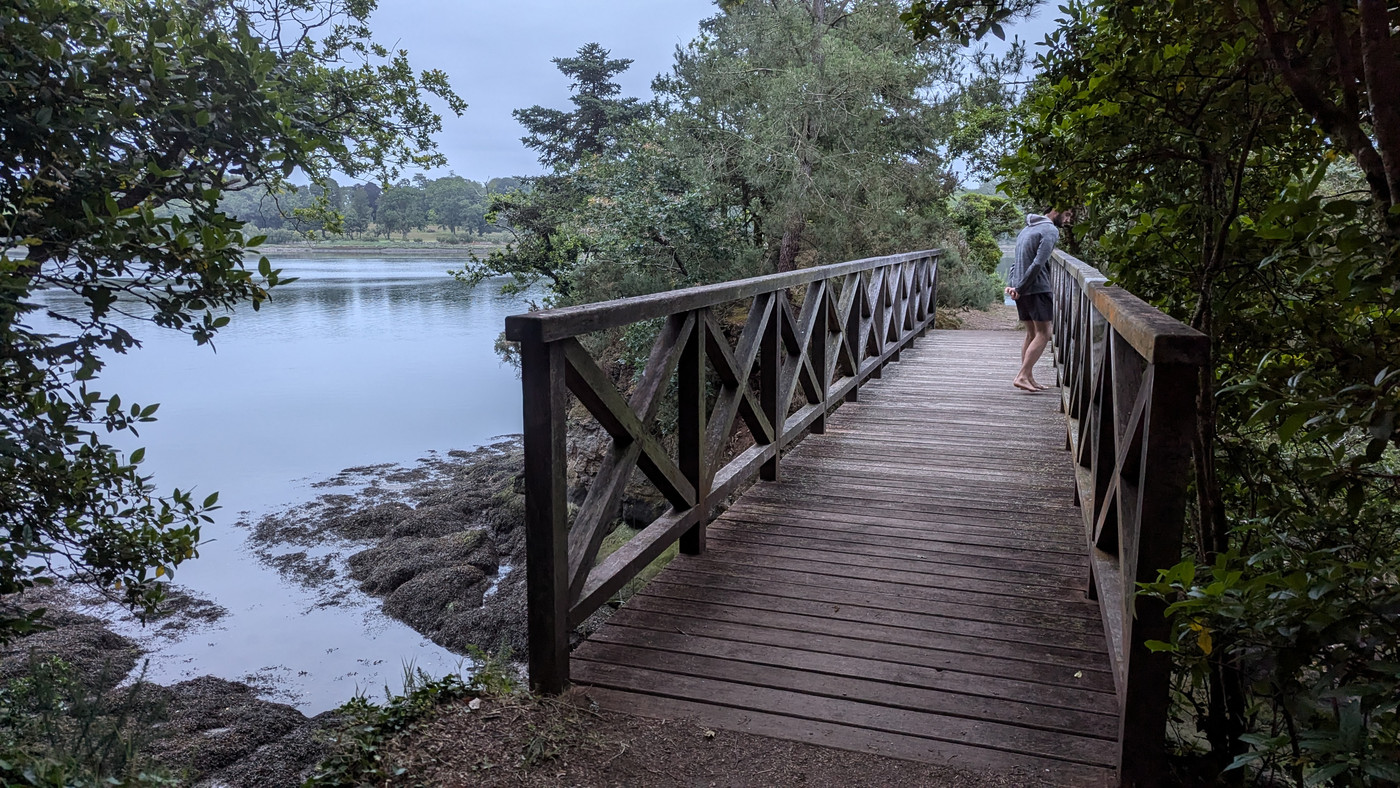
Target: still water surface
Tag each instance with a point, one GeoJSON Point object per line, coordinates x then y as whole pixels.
{"type": "Point", "coordinates": [361, 361]}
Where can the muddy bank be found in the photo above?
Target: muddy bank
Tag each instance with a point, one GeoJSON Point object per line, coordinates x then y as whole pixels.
{"type": "Point", "coordinates": [206, 731]}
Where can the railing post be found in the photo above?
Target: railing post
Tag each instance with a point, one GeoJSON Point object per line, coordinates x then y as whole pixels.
{"type": "Point", "coordinates": [1162, 485]}
{"type": "Point", "coordinates": [546, 525]}
{"type": "Point", "coordinates": [817, 354]}
{"type": "Point", "coordinates": [898, 305]}
{"type": "Point", "coordinates": [690, 407]}
{"type": "Point", "coordinates": [770, 377]}
{"type": "Point", "coordinates": [854, 340]}
{"type": "Point", "coordinates": [933, 290]}
{"type": "Point", "coordinates": [928, 267]}
{"type": "Point", "coordinates": [878, 308]}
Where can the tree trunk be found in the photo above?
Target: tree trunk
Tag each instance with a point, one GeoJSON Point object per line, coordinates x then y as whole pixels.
{"type": "Point", "coordinates": [1381, 64]}
{"type": "Point", "coordinates": [791, 243]}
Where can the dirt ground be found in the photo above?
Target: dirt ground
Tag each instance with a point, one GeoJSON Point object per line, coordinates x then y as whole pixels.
{"type": "Point", "coordinates": [998, 317]}
{"type": "Point", "coordinates": [516, 741]}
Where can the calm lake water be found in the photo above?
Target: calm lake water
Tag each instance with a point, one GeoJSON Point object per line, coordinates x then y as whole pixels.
{"type": "Point", "coordinates": [362, 361]}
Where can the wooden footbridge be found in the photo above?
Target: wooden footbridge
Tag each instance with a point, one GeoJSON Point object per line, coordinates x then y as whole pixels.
{"type": "Point", "coordinates": [940, 570]}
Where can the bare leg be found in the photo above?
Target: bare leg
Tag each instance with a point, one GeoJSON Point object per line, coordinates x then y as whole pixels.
{"type": "Point", "coordinates": [1034, 348]}
{"type": "Point", "coordinates": [1044, 330]}
{"type": "Point", "coordinates": [1022, 381]}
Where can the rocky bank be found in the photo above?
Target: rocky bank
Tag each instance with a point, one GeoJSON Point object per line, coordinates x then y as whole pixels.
{"type": "Point", "coordinates": [206, 731]}
{"type": "Point", "coordinates": [439, 543]}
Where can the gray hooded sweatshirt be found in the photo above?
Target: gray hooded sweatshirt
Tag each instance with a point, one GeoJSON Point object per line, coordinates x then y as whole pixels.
{"type": "Point", "coordinates": [1030, 273]}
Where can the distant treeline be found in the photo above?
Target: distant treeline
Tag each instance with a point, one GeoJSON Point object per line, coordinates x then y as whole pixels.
{"type": "Point", "coordinates": [452, 203]}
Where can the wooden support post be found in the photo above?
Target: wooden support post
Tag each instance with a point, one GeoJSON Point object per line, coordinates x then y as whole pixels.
{"type": "Point", "coordinates": [1162, 481]}
{"type": "Point", "coordinates": [770, 381]}
{"type": "Point", "coordinates": [546, 509]}
{"type": "Point", "coordinates": [690, 407]}
{"type": "Point", "coordinates": [816, 352]}
{"type": "Point", "coordinates": [853, 337]}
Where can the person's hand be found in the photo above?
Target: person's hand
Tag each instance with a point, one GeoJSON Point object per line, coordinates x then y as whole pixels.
{"type": "Point", "coordinates": [1011, 291]}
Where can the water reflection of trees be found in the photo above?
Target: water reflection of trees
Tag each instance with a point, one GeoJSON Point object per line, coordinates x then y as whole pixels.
{"type": "Point", "coordinates": [330, 295]}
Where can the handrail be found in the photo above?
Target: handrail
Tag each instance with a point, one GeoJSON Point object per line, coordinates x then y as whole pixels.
{"type": "Point", "coordinates": [1129, 375]}
{"type": "Point", "coordinates": [854, 317]}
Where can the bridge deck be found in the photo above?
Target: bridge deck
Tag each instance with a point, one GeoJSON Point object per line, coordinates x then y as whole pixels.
{"type": "Point", "coordinates": [914, 587]}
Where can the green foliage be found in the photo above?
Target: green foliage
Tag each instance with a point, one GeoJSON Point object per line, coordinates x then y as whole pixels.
{"type": "Point", "coordinates": [963, 20]}
{"type": "Point", "coordinates": [650, 227]}
{"type": "Point", "coordinates": [543, 244]}
{"type": "Point", "coordinates": [759, 155]}
{"type": "Point", "coordinates": [1203, 177]}
{"type": "Point", "coordinates": [370, 726]}
{"type": "Point", "coordinates": [125, 124]}
{"type": "Point", "coordinates": [566, 139]}
{"type": "Point", "coordinates": [1320, 629]}
{"type": "Point", "coordinates": [401, 208]}
{"type": "Point", "coordinates": [821, 137]}
{"type": "Point", "coordinates": [983, 218]}
{"type": "Point", "coordinates": [548, 242]}
{"type": "Point", "coordinates": [456, 202]}
{"type": "Point", "coordinates": [964, 283]}
{"type": "Point", "coordinates": [57, 733]}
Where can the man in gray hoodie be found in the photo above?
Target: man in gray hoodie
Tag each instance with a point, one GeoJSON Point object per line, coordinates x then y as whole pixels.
{"type": "Point", "coordinates": [1030, 288]}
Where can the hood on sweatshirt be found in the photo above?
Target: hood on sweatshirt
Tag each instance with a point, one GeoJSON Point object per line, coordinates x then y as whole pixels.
{"type": "Point", "coordinates": [1032, 219]}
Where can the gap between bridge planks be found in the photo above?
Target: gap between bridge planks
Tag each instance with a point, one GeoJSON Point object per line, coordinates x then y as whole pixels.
{"type": "Point", "coordinates": [912, 587]}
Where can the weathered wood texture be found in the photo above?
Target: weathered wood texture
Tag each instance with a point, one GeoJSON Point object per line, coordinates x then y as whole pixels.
{"type": "Point", "coordinates": [811, 338]}
{"type": "Point", "coordinates": [1129, 381]}
{"type": "Point", "coordinates": [914, 585]}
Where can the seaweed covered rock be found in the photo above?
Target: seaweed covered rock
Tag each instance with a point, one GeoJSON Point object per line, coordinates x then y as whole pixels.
{"type": "Point", "coordinates": [427, 599]}
{"type": "Point", "coordinates": [219, 732]}
{"type": "Point", "coordinates": [97, 658]}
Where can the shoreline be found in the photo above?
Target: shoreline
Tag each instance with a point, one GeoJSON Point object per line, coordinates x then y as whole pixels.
{"type": "Point", "coordinates": [434, 545]}
{"type": "Point", "coordinates": [445, 251]}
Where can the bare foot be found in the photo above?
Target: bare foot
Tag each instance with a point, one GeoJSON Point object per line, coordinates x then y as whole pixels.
{"type": "Point", "coordinates": [1040, 386]}
{"type": "Point", "coordinates": [1024, 385]}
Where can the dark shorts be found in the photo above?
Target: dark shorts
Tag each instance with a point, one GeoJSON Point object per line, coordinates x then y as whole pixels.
{"type": "Point", "coordinates": [1036, 307]}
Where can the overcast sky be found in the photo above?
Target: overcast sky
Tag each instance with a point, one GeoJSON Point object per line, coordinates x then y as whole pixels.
{"type": "Point", "coordinates": [497, 56]}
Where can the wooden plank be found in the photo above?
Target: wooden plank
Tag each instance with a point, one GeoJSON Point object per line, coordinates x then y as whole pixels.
{"type": "Point", "coordinates": [833, 676]}
{"type": "Point", "coordinates": [954, 533]}
{"type": "Point", "coordinates": [881, 568]}
{"type": "Point", "coordinates": [981, 733]}
{"type": "Point", "coordinates": [939, 488]}
{"type": "Point", "coordinates": [834, 498]}
{"type": "Point", "coordinates": [1084, 711]}
{"type": "Point", "coordinates": [813, 574]}
{"type": "Point", "coordinates": [1071, 628]}
{"type": "Point", "coordinates": [997, 639]}
{"type": "Point", "coordinates": [963, 564]}
{"type": "Point", "coordinates": [947, 652]}
{"type": "Point", "coordinates": [1017, 768]}
{"type": "Point", "coordinates": [690, 429]}
{"type": "Point", "coordinates": [600, 507]}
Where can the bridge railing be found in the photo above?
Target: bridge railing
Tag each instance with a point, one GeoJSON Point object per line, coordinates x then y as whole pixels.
{"type": "Point", "coordinates": [1129, 376]}
{"type": "Point", "coordinates": [811, 337]}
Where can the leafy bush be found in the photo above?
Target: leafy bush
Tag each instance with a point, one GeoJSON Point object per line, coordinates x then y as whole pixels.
{"type": "Point", "coordinates": [357, 760]}
{"type": "Point", "coordinates": [963, 284]}
{"type": "Point", "coordinates": [1317, 635]}
{"type": "Point", "coordinates": [983, 218]}
{"type": "Point", "coordinates": [57, 733]}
